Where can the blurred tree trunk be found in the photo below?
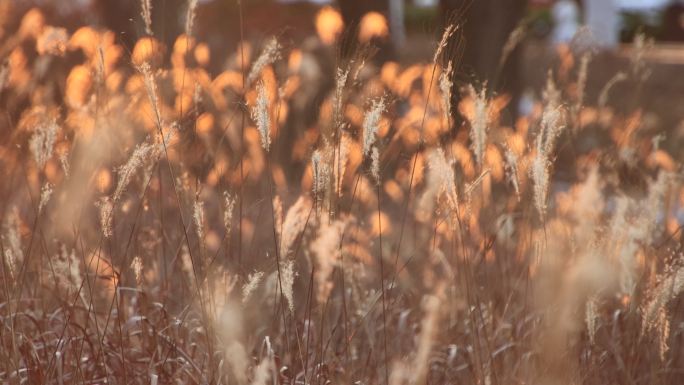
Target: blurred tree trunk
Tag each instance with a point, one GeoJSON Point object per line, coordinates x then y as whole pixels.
{"type": "Point", "coordinates": [486, 25]}
{"type": "Point", "coordinates": [117, 16]}
{"type": "Point", "coordinates": [123, 17]}
{"type": "Point", "coordinates": [352, 12]}
{"type": "Point", "coordinates": [673, 23]}
{"type": "Point", "coordinates": [396, 21]}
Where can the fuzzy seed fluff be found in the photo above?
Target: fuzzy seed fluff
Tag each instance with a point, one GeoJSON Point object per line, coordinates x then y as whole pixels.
{"type": "Point", "coordinates": [371, 123]}
{"type": "Point", "coordinates": [287, 276]}
{"type": "Point", "coordinates": [137, 266]}
{"type": "Point", "coordinates": [478, 124]}
{"type": "Point", "coordinates": [540, 170]}
{"type": "Point", "coordinates": [198, 216]}
{"type": "Point", "coordinates": [445, 85]}
{"type": "Point", "coordinates": [512, 170]}
{"type": "Point", "coordinates": [42, 142]}
{"type": "Point", "coordinates": [253, 281]}
{"type": "Point", "coordinates": [45, 194]}
{"type": "Point", "coordinates": [293, 225]}
{"type": "Point", "coordinates": [228, 207]}
{"type": "Point", "coordinates": [269, 55]}
{"type": "Point", "coordinates": [321, 173]}
{"type": "Point", "coordinates": [590, 316]}
{"type": "Point", "coordinates": [440, 178]}
{"type": "Point", "coordinates": [146, 13]}
{"type": "Point", "coordinates": [12, 244]}
{"type": "Point", "coordinates": [375, 164]}
{"type": "Point", "coordinates": [261, 116]}
{"type": "Point", "coordinates": [190, 16]}
{"type": "Point", "coordinates": [150, 83]}
{"type": "Point", "coordinates": [67, 270]}
{"type": "Point", "coordinates": [448, 31]}
{"type": "Point", "coordinates": [106, 207]}
{"type": "Point", "coordinates": [326, 248]}
{"type": "Point", "coordinates": [141, 154]}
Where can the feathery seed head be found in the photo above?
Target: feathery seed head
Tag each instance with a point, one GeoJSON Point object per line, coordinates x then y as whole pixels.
{"type": "Point", "coordinates": [540, 170]}
{"type": "Point", "coordinates": [327, 250]}
{"type": "Point", "coordinates": [514, 38]}
{"type": "Point", "coordinates": [441, 178]}
{"type": "Point", "coordinates": [478, 124]}
{"type": "Point", "coordinates": [269, 55]}
{"type": "Point", "coordinates": [512, 170]}
{"type": "Point", "coordinates": [106, 206]}
{"type": "Point", "coordinates": [64, 161]}
{"type": "Point", "coordinates": [190, 17]}
{"type": "Point", "coordinates": [137, 266]}
{"type": "Point", "coordinates": [340, 82]}
{"type": "Point", "coordinates": [550, 128]}
{"type": "Point", "coordinates": [371, 124]}
{"type": "Point", "coordinates": [228, 206]}
{"type": "Point", "coordinates": [591, 314]}
{"type": "Point", "coordinates": [146, 13]}
{"type": "Point", "coordinates": [670, 285]}
{"type": "Point", "coordinates": [45, 194]}
{"type": "Point", "coordinates": [261, 116]}
{"type": "Point", "coordinates": [375, 164]}
{"type": "Point", "coordinates": [67, 270]}
{"type": "Point", "coordinates": [12, 244]}
{"type": "Point", "coordinates": [605, 91]}
{"type": "Point", "coordinates": [293, 225]}
{"type": "Point", "coordinates": [150, 83]}
{"type": "Point", "coordinates": [287, 276]}
{"type": "Point", "coordinates": [253, 281]}
{"type": "Point", "coordinates": [321, 173]}
{"type": "Point", "coordinates": [582, 80]}
{"type": "Point", "coordinates": [551, 94]}
{"type": "Point", "coordinates": [448, 31]}
{"type": "Point", "coordinates": [340, 162]}
{"type": "Point", "coordinates": [141, 155]}
{"type": "Point", "coordinates": [445, 86]}
{"type": "Point", "coordinates": [42, 141]}
{"type": "Point", "coordinates": [278, 214]}
{"type": "Point", "coordinates": [198, 216]}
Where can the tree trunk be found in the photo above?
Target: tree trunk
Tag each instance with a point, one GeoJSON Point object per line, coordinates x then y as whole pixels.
{"type": "Point", "coordinates": [486, 25]}
{"type": "Point", "coordinates": [352, 12]}
{"type": "Point", "coordinates": [123, 17]}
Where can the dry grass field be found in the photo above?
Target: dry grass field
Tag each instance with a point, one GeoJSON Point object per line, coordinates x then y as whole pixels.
{"type": "Point", "coordinates": [302, 218]}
